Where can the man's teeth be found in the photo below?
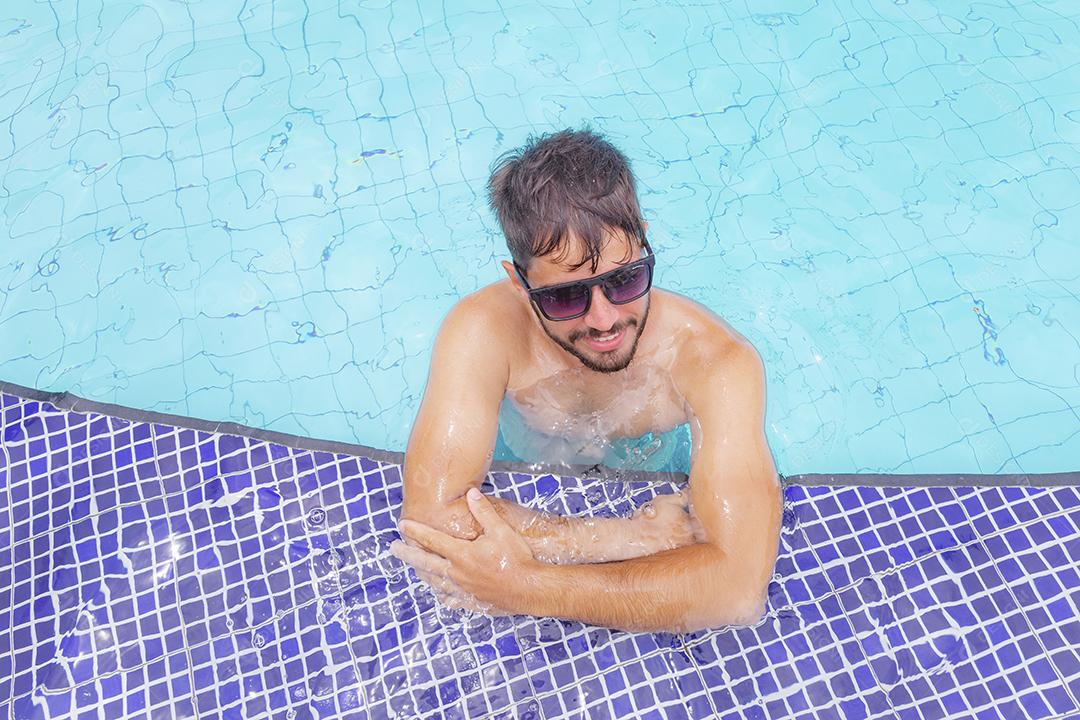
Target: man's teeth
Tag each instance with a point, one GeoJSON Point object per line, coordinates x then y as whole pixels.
{"type": "Point", "coordinates": [605, 338]}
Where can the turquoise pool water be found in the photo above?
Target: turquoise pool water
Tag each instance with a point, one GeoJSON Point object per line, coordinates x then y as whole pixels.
{"type": "Point", "coordinates": [258, 213]}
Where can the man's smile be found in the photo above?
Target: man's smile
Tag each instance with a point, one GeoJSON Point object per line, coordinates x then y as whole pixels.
{"type": "Point", "coordinates": [606, 342]}
{"type": "Point", "coordinates": [605, 352]}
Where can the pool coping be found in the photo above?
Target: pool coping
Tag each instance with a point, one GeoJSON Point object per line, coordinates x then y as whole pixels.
{"type": "Point", "coordinates": [74, 403]}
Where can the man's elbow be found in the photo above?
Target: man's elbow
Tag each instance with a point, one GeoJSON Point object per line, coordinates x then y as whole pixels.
{"type": "Point", "coordinates": [718, 614]}
{"type": "Point", "coordinates": [748, 605]}
{"type": "Point", "coordinates": [734, 600]}
{"type": "Point", "coordinates": [453, 518]}
{"type": "Point", "coordinates": [749, 613]}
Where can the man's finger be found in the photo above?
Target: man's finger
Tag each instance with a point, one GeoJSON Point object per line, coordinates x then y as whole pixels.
{"type": "Point", "coordinates": [429, 538]}
{"type": "Point", "coordinates": [443, 587]}
{"type": "Point", "coordinates": [439, 583]}
{"type": "Point", "coordinates": [453, 597]}
{"type": "Point", "coordinates": [453, 602]}
{"type": "Point", "coordinates": [484, 512]}
{"type": "Point", "coordinates": [419, 558]}
{"type": "Point", "coordinates": [465, 602]}
{"type": "Point", "coordinates": [677, 497]}
{"type": "Point", "coordinates": [698, 529]}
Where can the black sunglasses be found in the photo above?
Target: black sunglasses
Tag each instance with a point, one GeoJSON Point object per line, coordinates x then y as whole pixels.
{"type": "Point", "coordinates": [570, 300]}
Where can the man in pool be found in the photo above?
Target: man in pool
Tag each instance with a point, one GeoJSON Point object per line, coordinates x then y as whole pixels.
{"type": "Point", "coordinates": [565, 338]}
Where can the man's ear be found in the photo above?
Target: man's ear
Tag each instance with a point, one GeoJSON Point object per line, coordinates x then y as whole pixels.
{"type": "Point", "coordinates": [512, 274]}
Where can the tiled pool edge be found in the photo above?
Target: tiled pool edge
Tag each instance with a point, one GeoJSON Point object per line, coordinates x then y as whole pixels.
{"type": "Point", "coordinates": [867, 581]}
{"type": "Point", "coordinates": [68, 401]}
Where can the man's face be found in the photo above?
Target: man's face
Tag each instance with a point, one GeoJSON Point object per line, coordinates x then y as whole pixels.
{"type": "Point", "coordinates": [606, 337]}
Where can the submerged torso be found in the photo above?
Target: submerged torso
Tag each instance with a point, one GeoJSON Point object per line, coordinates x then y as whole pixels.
{"type": "Point", "coordinates": [555, 410]}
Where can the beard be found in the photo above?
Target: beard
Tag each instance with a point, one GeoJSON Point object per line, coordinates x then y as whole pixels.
{"type": "Point", "coordinates": [604, 362]}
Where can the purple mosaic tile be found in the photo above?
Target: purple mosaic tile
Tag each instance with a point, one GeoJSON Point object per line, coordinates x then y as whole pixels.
{"type": "Point", "coordinates": [156, 569]}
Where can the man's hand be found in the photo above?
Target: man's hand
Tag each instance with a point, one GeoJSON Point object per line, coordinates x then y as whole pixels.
{"type": "Point", "coordinates": [665, 523]}
{"type": "Point", "coordinates": [492, 569]}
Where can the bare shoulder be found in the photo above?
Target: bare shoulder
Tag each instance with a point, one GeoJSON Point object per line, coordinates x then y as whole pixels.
{"type": "Point", "coordinates": [480, 316]}
{"type": "Point", "coordinates": [479, 328]}
{"type": "Point", "coordinates": [707, 348]}
{"type": "Point", "coordinates": [699, 331]}
{"type": "Point", "coordinates": [470, 362]}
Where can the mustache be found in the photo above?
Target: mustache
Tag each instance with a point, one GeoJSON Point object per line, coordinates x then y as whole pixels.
{"type": "Point", "coordinates": [580, 334]}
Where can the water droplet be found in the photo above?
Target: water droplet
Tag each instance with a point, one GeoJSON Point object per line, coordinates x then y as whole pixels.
{"type": "Point", "coordinates": [335, 557]}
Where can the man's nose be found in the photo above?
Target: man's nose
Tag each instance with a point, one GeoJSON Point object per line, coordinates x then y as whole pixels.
{"type": "Point", "coordinates": [602, 314]}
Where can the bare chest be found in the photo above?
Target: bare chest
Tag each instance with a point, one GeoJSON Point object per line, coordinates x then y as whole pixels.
{"type": "Point", "coordinates": [577, 405]}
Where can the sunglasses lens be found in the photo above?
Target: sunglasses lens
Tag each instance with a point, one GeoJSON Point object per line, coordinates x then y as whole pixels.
{"type": "Point", "coordinates": [628, 285]}
{"type": "Point", "coordinates": [564, 302]}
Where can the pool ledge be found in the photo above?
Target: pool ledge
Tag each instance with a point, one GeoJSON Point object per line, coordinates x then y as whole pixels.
{"type": "Point", "coordinates": [68, 401]}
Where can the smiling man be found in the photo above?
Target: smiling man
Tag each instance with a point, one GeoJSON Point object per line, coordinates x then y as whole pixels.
{"type": "Point", "coordinates": [582, 345]}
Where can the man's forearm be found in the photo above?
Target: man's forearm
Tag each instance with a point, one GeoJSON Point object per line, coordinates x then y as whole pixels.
{"type": "Point", "coordinates": [567, 540]}
{"type": "Point", "coordinates": [556, 538]}
{"type": "Point", "coordinates": [682, 590]}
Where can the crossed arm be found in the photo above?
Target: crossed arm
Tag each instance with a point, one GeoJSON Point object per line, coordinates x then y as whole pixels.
{"type": "Point", "coordinates": [513, 560]}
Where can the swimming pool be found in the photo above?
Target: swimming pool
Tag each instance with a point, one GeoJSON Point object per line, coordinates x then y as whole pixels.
{"type": "Point", "coordinates": [258, 215]}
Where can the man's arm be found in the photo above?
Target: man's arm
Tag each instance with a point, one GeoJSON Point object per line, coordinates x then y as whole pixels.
{"type": "Point", "coordinates": [454, 431]}
{"type": "Point", "coordinates": [449, 451]}
{"type": "Point", "coordinates": [721, 580]}
{"type": "Point", "coordinates": [736, 495]}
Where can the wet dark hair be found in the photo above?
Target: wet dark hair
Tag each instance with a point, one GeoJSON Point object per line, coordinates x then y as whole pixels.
{"type": "Point", "coordinates": [569, 180]}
